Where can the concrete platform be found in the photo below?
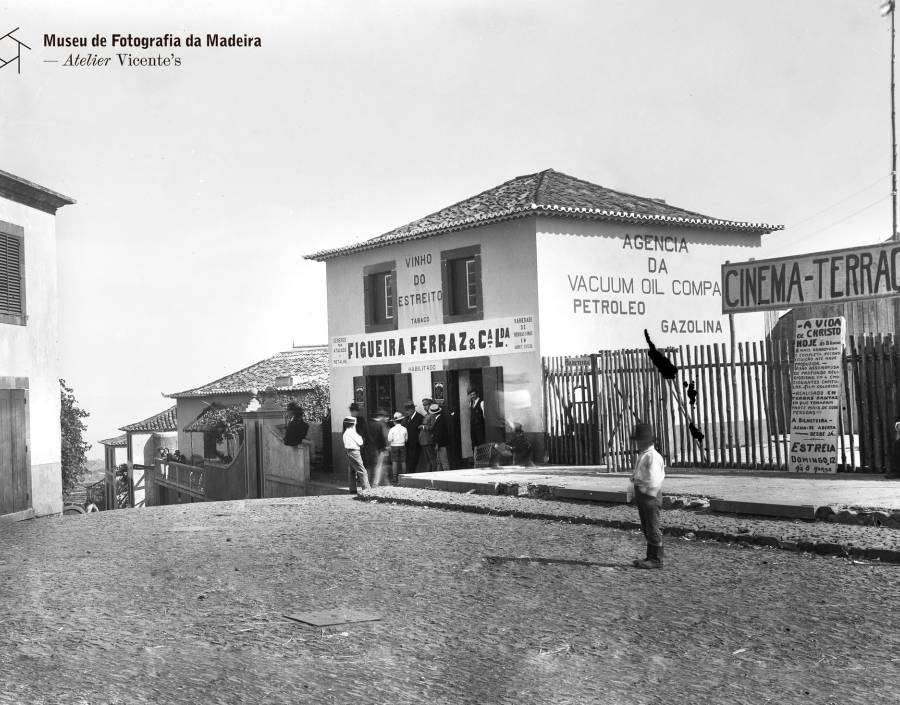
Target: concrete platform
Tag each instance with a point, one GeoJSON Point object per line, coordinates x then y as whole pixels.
{"type": "Point", "coordinates": [740, 492]}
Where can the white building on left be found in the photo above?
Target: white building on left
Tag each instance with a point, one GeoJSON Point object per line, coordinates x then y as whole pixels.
{"type": "Point", "coordinates": [30, 478]}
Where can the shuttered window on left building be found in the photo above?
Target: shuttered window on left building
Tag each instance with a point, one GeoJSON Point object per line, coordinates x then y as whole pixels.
{"type": "Point", "coordinates": [12, 274]}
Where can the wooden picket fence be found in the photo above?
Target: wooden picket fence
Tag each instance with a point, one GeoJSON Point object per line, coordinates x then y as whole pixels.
{"type": "Point", "coordinates": [742, 405]}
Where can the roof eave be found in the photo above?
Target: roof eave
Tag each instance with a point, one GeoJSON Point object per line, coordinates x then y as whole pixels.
{"type": "Point", "coordinates": [560, 211]}
{"type": "Point", "coordinates": [245, 390]}
{"type": "Point", "coordinates": [28, 193]}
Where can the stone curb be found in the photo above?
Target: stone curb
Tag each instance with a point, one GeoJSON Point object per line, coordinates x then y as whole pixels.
{"type": "Point", "coordinates": [697, 503]}
{"type": "Point", "coordinates": [458, 503]}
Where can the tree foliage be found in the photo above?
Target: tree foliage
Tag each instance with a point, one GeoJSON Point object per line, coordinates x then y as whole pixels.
{"type": "Point", "coordinates": [74, 447]}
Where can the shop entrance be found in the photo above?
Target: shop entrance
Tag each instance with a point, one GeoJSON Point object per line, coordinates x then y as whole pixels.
{"type": "Point", "coordinates": [450, 390]}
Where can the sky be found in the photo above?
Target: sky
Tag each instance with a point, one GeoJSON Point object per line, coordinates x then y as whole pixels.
{"type": "Point", "coordinates": [200, 187]}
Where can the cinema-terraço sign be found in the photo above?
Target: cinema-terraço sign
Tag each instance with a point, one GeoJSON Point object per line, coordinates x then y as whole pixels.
{"type": "Point", "coordinates": [850, 274]}
{"type": "Point", "coordinates": [498, 336]}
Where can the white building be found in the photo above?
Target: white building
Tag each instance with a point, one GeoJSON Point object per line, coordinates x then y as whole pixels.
{"type": "Point", "coordinates": [545, 264]}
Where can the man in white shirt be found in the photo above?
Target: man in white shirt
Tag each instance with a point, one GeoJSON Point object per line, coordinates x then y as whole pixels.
{"type": "Point", "coordinates": [353, 443]}
{"type": "Point", "coordinates": [645, 486]}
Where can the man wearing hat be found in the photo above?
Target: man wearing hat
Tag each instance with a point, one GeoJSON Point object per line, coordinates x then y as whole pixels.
{"type": "Point", "coordinates": [426, 435]}
{"type": "Point", "coordinates": [441, 430]}
{"type": "Point", "coordinates": [412, 422]}
{"type": "Point", "coordinates": [645, 486]}
{"type": "Point", "coordinates": [297, 428]}
{"type": "Point", "coordinates": [397, 437]}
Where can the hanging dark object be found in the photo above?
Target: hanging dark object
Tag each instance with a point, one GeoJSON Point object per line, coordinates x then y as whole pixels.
{"type": "Point", "coordinates": [691, 393]}
{"type": "Point", "coordinates": [666, 368]}
{"type": "Point", "coordinates": [696, 433]}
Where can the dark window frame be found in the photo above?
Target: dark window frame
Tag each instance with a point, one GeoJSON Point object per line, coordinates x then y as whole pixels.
{"type": "Point", "coordinates": [16, 232]}
{"type": "Point", "coordinates": [464, 254]}
{"type": "Point", "coordinates": [370, 274]}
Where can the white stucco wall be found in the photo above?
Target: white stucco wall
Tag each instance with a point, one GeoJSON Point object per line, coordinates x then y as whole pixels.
{"type": "Point", "coordinates": [601, 286]}
{"type": "Point", "coordinates": [32, 351]}
{"type": "Point", "coordinates": [508, 276]}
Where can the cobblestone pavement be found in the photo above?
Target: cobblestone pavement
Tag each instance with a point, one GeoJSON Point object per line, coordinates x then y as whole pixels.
{"type": "Point", "coordinates": [184, 604]}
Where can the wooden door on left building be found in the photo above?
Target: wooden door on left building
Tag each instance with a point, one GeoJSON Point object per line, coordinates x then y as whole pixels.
{"type": "Point", "coordinates": [14, 470]}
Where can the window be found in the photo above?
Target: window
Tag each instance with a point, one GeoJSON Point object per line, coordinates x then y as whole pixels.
{"type": "Point", "coordinates": [462, 284]}
{"type": "Point", "coordinates": [12, 274]}
{"type": "Point", "coordinates": [380, 297]}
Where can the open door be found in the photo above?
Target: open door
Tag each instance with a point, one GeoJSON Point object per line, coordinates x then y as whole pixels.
{"type": "Point", "coordinates": [494, 421]}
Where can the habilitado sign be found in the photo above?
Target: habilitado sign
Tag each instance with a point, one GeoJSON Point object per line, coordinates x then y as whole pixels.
{"type": "Point", "coordinates": [851, 274]}
{"type": "Point", "coordinates": [497, 336]}
{"type": "Point", "coordinates": [816, 395]}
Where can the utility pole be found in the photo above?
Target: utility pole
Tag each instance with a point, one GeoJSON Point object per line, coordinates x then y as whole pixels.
{"type": "Point", "coordinates": [887, 8]}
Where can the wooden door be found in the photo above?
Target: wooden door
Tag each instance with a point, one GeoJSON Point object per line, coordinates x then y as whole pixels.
{"type": "Point", "coordinates": [492, 393]}
{"type": "Point", "coordinates": [14, 471]}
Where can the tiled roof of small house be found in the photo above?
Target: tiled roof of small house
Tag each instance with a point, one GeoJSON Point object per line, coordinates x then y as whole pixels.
{"type": "Point", "coordinates": [117, 442]}
{"type": "Point", "coordinates": [163, 421]}
{"type": "Point", "coordinates": [303, 367]}
{"type": "Point", "coordinates": [547, 193]}
{"type": "Point", "coordinates": [215, 415]}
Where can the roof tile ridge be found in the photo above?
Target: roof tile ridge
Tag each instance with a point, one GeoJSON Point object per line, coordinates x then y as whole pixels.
{"type": "Point", "coordinates": [542, 176]}
{"type": "Point", "coordinates": [453, 205]}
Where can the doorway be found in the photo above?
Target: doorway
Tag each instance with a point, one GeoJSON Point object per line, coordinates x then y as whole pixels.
{"type": "Point", "coordinates": [450, 389]}
{"type": "Point", "coordinates": [15, 475]}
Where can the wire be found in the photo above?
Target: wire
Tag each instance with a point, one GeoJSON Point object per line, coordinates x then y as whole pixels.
{"type": "Point", "coordinates": [843, 200]}
{"type": "Point", "coordinates": [837, 222]}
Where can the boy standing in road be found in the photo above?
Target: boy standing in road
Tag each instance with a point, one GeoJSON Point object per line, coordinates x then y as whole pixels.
{"type": "Point", "coordinates": [645, 486]}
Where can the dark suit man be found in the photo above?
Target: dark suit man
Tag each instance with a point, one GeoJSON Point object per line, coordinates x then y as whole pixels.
{"type": "Point", "coordinates": [441, 431]}
{"type": "Point", "coordinates": [412, 423]}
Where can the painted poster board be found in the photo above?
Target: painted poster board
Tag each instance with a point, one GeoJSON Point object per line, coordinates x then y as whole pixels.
{"type": "Point", "coordinates": [836, 276]}
{"type": "Point", "coordinates": [816, 395]}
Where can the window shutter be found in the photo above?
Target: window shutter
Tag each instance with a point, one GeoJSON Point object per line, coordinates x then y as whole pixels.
{"type": "Point", "coordinates": [368, 300]}
{"type": "Point", "coordinates": [11, 275]}
{"type": "Point", "coordinates": [394, 295]}
{"type": "Point", "coordinates": [478, 288]}
{"type": "Point", "coordinates": [446, 285]}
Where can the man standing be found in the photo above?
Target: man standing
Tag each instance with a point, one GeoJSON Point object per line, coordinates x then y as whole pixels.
{"type": "Point", "coordinates": [412, 423]}
{"type": "Point", "coordinates": [476, 418]}
{"type": "Point", "coordinates": [378, 432]}
{"type": "Point", "coordinates": [645, 486]}
{"type": "Point", "coordinates": [297, 428]}
{"type": "Point", "coordinates": [362, 428]}
{"type": "Point", "coordinates": [441, 431]}
{"type": "Point", "coordinates": [426, 436]}
{"type": "Point", "coordinates": [352, 444]}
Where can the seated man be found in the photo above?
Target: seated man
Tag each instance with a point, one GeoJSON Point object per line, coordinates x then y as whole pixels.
{"type": "Point", "coordinates": [520, 447]}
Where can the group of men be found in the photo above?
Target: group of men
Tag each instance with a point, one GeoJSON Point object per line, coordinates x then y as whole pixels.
{"type": "Point", "coordinates": [380, 448]}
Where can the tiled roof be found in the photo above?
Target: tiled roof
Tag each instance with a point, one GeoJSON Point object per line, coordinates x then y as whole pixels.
{"type": "Point", "coordinates": [216, 415]}
{"type": "Point", "coordinates": [117, 442]}
{"type": "Point", "coordinates": [163, 421]}
{"type": "Point", "coordinates": [547, 193]}
{"type": "Point", "coordinates": [307, 365]}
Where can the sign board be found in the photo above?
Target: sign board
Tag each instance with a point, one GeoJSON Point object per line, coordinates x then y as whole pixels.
{"type": "Point", "coordinates": [602, 287]}
{"type": "Point", "coordinates": [497, 336]}
{"type": "Point", "coordinates": [836, 276]}
{"type": "Point", "coordinates": [816, 395]}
